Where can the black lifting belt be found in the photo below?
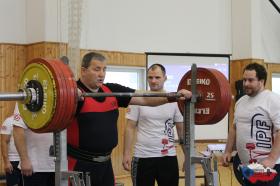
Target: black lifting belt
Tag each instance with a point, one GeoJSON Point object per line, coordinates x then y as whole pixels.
{"type": "Point", "coordinates": [87, 156]}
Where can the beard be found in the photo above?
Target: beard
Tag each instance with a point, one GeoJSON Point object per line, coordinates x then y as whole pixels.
{"type": "Point", "coordinates": [251, 92]}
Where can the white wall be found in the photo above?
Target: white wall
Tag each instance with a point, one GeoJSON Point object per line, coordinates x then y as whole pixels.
{"type": "Point", "coordinates": [255, 28]}
{"type": "Point", "coordinates": [56, 20]}
{"type": "Point", "coordinates": [159, 26]}
{"type": "Point", "coordinates": [30, 21]}
{"type": "Point", "coordinates": [241, 29]}
{"type": "Point", "coordinates": [35, 21]}
{"type": "Point", "coordinates": [247, 29]}
{"type": "Point", "coordinates": [12, 20]}
{"type": "Point", "coordinates": [270, 33]}
{"type": "Point", "coordinates": [52, 21]}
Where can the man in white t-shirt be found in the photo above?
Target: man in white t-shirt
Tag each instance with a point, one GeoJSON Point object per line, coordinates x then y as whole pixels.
{"type": "Point", "coordinates": [256, 125]}
{"type": "Point", "coordinates": [9, 153]}
{"type": "Point", "coordinates": [37, 167]}
{"type": "Point", "coordinates": [154, 151]}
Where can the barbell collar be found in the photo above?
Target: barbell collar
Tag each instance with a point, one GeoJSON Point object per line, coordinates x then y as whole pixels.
{"type": "Point", "coordinates": [26, 96]}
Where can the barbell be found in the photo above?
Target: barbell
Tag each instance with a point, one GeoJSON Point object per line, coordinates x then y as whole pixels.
{"type": "Point", "coordinates": [48, 95]}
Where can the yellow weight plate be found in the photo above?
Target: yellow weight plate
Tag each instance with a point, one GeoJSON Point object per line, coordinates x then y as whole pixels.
{"type": "Point", "coordinates": [42, 117]}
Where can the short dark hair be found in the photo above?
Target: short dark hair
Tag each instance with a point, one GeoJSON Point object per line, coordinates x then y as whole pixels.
{"type": "Point", "coordinates": [157, 65]}
{"type": "Point", "coordinates": [260, 71]}
{"type": "Point", "coordinates": [92, 56]}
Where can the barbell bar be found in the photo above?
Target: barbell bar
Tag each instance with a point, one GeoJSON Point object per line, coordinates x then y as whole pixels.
{"type": "Point", "coordinates": [13, 96]}
{"type": "Point", "coordinates": [129, 94]}
{"type": "Point", "coordinates": [23, 95]}
{"type": "Point", "coordinates": [48, 95]}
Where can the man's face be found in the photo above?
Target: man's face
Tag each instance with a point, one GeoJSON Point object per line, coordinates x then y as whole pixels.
{"type": "Point", "coordinates": [156, 79]}
{"type": "Point", "coordinates": [251, 83]}
{"type": "Point", "coordinates": [94, 75]}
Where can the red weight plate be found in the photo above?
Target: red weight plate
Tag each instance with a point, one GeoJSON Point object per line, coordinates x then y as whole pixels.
{"type": "Point", "coordinates": [69, 107]}
{"type": "Point", "coordinates": [228, 95]}
{"type": "Point", "coordinates": [210, 108]}
{"type": "Point", "coordinates": [65, 116]}
{"type": "Point", "coordinates": [67, 99]}
{"type": "Point", "coordinates": [59, 95]}
{"type": "Point", "coordinates": [226, 90]}
{"type": "Point", "coordinates": [218, 96]}
{"type": "Point", "coordinates": [60, 100]}
{"type": "Point", "coordinates": [40, 118]}
{"type": "Point", "coordinates": [225, 96]}
{"type": "Point", "coordinates": [61, 117]}
{"type": "Point", "coordinates": [219, 106]}
{"type": "Point", "coordinates": [72, 93]}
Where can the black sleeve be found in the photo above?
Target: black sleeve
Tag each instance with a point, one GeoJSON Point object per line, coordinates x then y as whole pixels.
{"type": "Point", "coordinates": [122, 101]}
{"type": "Point", "coordinates": [80, 103]}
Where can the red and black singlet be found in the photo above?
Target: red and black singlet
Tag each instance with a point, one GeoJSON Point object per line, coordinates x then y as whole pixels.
{"type": "Point", "coordinates": [95, 127]}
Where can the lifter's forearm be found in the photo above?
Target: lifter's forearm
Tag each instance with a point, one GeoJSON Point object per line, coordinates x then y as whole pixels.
{"type": "Point", "coordinates": [4, 147]}
{"type": "Point", "coordinates": [128, 137]}
{"type": "Point", "coordinates": [231, 140]}
{"type": "Point", "coordinates": [180, 132]}
{"type": "Point", "coordinates": [19, 137]}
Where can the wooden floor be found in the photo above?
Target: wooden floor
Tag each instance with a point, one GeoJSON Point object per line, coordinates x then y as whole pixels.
{"type": "Point", "coordinates": [226, 175]}
{"type": "Point", "coordinates": [226, 178]}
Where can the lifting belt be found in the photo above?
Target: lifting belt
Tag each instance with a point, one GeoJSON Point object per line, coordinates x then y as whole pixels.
{"type": "Point", "coordinates": [87, 156]}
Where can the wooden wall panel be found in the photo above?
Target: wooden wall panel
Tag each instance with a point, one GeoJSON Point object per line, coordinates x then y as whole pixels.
{"type": "Point", "coordinates": [35, 50]}
{"type": "Point", "coordinates": [46, 50]}
{"type": "Point", "coordinates": [117, 154]}
{"type": "Point", "coordinates": [121, 58]}
{"type": "Point", "coordinates": [12, 62]}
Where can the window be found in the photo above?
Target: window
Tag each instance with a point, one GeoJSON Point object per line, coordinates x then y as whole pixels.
{"type": "Point", "coordinates": [276, 82]}
{"type": "Point", "coordinates": [133, 77]}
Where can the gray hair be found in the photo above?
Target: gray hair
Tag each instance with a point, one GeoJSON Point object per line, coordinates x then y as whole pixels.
{"type": "Point", "coordinates": [92, 56]}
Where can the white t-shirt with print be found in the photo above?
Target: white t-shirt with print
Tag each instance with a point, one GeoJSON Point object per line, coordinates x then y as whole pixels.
{"type": "Point", "coordinates": [256, 119]}
{"type": "Point", "coordinates": [38, 146]}
{"type": "Point", "coordinates": [155, 134]}
{"type": "Point", "coordinates": [7, 129]}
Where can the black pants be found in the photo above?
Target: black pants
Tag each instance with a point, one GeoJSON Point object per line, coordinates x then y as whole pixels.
{"type": "Point", "coordinates": [40, 179]}
{"type": "Point", "coordinates": [164, 170]}
{"type": "Point", "coordinates": [245, 182]}
{"type": "Point", "coordinates": [15, 177]}
{"type": "Point", "coordinates": [101, 174]}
